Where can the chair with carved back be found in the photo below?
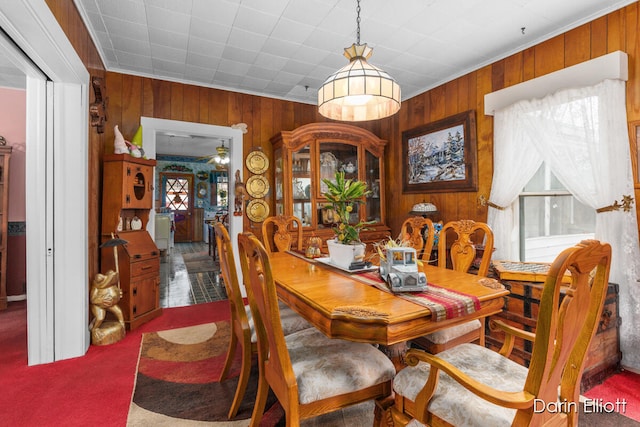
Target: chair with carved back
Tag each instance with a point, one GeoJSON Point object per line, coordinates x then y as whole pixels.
{"type": "Point", "coordinates": [414, 230]}
{"type": "Point", "coordinates": [243, 329]}
{"type": "Point", "coordinates": [461, 256]}
{"type": "Point", "coordinates": [475, 386]}
{"type": "Point", "coordinates": [309, 373]}
{"type": "Point", "coordinates": [283, 227]}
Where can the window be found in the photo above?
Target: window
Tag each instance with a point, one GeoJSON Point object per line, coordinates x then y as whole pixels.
{"type": "Point", "coordinates": [551, 218]}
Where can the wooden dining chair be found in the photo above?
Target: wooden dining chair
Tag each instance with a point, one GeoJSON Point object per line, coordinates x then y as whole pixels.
{"type": "Point", "coordinates": [243, 328]}
{"type": "Point", "coordinates": [309, 373]}
{"type": "Point", "coordinates": [420, 233]}
{"type": "Point", "coordinates": [474, 386]}
{"type": "Point", "coordinates": [460, 257]}
{"type": "Point", "coordinates": [283, 226]}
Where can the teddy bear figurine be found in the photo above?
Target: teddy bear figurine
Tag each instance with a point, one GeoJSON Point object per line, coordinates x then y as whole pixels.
{"type": "Point", "coordinates": [104, 297]}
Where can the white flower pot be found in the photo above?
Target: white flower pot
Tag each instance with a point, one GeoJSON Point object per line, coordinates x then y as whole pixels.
{"type": "Point", "coordinates": [343, 255]}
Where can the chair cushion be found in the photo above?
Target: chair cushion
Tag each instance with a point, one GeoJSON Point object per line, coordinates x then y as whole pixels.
{"type": "Point", "coordinates": [291, 321]}
{"type": "Point", "coordinates": [447, 334]}
{"type": "Point", "coordinates": [327, 367]}
{"type": "Point", "coordinates": [455, 404]}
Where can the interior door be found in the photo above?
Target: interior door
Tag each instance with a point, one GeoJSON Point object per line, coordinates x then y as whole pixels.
{"type": "Point", "coordinates": [177, 195]}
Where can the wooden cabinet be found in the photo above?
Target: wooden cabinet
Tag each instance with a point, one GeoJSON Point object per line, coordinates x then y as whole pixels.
{"type": "Point", "coordinates": [521, 309]}
{"type": "Point", "coordinates": [126, 200]}
{"type": "Point", "coordinates": [310, 153]}
{"type": "Point", "coordinates": [5, 154]}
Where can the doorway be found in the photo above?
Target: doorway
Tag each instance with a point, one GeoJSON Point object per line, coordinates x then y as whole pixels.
{"type": "Point", "coordinates": [177, 196]}
{"type": "Point", "coordinates": [56, 155]}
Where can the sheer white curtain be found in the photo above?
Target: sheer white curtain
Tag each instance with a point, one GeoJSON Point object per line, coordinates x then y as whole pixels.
{"type": "Point", "coordinates": [582, 135]}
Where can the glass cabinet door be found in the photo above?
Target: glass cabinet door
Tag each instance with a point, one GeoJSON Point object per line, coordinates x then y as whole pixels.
{"type": "Point", "coordinates": [372, 164]}
{"type": "Point", "coordinates": [278, 187]}
{"type": "Point", "coordinates": [301, 185]}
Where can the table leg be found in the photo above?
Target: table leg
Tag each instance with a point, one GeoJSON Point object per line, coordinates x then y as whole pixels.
{"type": "Point", "coordinates": [396, 353]}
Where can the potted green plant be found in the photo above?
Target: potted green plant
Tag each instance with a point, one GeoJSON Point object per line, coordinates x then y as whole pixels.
{"type": "Point", "coordinates": [343, 195]}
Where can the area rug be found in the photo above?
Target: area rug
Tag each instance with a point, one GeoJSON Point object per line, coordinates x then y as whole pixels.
{"type": "Point", "coordinates": [199, 262]}
{"type": "Point", "coordinates": [177, 381]}
{"type": "Point", "coordinates": [177, 384]}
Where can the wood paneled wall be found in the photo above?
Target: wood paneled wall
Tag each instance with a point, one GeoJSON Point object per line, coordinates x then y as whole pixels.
{"type": "Point", "coordinates": [615, 31]}
{"type": "Point", "coordinates": [131, 97]}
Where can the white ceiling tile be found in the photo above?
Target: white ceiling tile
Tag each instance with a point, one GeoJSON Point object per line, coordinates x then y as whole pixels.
{"type": "Point", "coordinates": [129, 59]}
{"type": "Point", "coordinates": [168, 53]}
{"type": "Point", "coordinates": [204, 30]}
{"type": "Point", "coordinates": [205, 47]}
{"type": "Point", "coordinates": [246, 39]}
{"type": "Point", "coordinates": [219, 11]}
{"type": "Point", "coordinates": [203, 61]}
{"type": "Point", "coordinates": [126, 29]}
{"type": "Point", "coordinates": [310, 12]}
{"type": "Point", "coordinates": [124, 9]}
{"type": "Point", "coordinates": [168, 20]}
{"type": "Point", "coordinates": [236, 54]}
{"type": "Point", "coordinates": [168, 66]}
{"type": "Point", "coordinates": [233, 67]}
{"type": "Point", "coordinates": [139, 47]}
{"type": "Point", "coordinates": [277, 47]}
{"type": "Point", "coordinates": [159, 36]}
{"type": "Point", "coordinates": [255, 21]}
{"type": "Point", "coordinates": [181, 6]}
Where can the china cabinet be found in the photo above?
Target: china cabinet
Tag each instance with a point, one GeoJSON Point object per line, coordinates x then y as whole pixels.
{"type": "Point", "coordinates": [127, 197]}
{"type": "Point", "coordinates": [307, 155]}
{"type": "Point", "coordinates": [5, 154]}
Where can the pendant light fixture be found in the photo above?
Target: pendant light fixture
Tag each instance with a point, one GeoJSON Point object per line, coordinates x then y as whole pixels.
{"type": "Point", "coordinates": [359, 91]}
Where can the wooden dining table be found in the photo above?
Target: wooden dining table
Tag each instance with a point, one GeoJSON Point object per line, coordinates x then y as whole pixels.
{"type": "Point", "coordinates": [342, 305]}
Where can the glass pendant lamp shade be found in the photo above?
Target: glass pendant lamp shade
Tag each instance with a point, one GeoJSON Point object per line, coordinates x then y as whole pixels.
{"type": "Point", "coordinates": [359, 91]}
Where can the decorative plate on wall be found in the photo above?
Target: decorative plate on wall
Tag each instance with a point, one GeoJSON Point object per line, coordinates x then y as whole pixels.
{"type": "Point", "coordinates": [257, 186]}
{"type": "Point", "coordinates": [257, 162]}
{"type": "Point", "coordinates": [257, 210]}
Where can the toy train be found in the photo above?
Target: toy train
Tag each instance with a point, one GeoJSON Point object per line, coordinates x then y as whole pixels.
{"type": "Point", "coordinates": [400, 270]}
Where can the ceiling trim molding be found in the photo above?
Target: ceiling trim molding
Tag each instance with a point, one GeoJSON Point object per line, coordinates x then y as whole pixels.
{"type": "Point", "coordinates": [612, 66]}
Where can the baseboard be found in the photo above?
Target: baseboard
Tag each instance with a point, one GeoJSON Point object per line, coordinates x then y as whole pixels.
{"type": "Point", "coordinates": [11, 298]}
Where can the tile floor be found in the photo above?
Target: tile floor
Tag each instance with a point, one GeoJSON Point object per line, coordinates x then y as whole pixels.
{"type": "Point", "coordinates": [179, 288]}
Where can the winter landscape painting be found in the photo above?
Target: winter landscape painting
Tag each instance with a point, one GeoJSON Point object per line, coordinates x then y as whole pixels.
{"type": "Point", "coordinates": [440, 156]}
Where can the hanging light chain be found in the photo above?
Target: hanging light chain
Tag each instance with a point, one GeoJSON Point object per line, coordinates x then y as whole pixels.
{"type": "Point", "coordinates": [358, 23]}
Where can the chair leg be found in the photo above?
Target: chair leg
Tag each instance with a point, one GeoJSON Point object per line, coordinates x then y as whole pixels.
{"type": "Point", "coordinates": [231, 352]}
{"type": "Point", "coordinates": [243, 380]}
{"type": "Point", "coordinates": [482, 326]}
{"type": "Point", "coordinates": [261, 401]}
{"type": "Point", "coordinates": [382, 412]}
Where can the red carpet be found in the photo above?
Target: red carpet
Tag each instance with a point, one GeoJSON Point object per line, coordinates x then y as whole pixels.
{"type": "Point", "coordinates": [623, 387]}
{"type": "Point", "coordinates": [92, 390]}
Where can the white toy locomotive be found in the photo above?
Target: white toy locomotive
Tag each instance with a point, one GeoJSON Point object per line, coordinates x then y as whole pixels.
{"type": "Point", "coordinates": [400, 270]}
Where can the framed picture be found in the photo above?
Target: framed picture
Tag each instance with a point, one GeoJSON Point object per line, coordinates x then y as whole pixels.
{"type": "Point", "coordinates": [441, 156]}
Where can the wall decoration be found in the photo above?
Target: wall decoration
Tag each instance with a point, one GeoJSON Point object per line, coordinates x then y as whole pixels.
{"type": "Point", "coordinates": [441, 156]}
{"type": "Point", "coordinates": [98, 109]}
{"type": "Point", "coordinates": [257, 210]}
{"type": "Point", "coordinates": [257, 162]}
{"type": "Point", "coordinates": [257, 186]}
{"type": "Point", "coordinates": [240, 192]}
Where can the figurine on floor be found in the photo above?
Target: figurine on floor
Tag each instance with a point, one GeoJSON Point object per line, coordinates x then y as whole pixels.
{"type": "Point", "coordinates": [104, 296]}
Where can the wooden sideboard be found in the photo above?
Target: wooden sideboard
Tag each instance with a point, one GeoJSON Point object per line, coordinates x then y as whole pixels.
{"type": "Point", "coordinates": [521, 309]}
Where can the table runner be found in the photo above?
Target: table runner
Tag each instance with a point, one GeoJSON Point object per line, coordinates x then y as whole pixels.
{"type": "Point", "coordinates": [443, 303]}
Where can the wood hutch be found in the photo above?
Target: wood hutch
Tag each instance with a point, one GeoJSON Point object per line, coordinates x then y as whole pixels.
{"type": "Point", "coordinates": [310, 153]}
{"type": "Point", "coordinates": [5, 154]}
{"type": "Point", "coordinates": [127, 197]}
